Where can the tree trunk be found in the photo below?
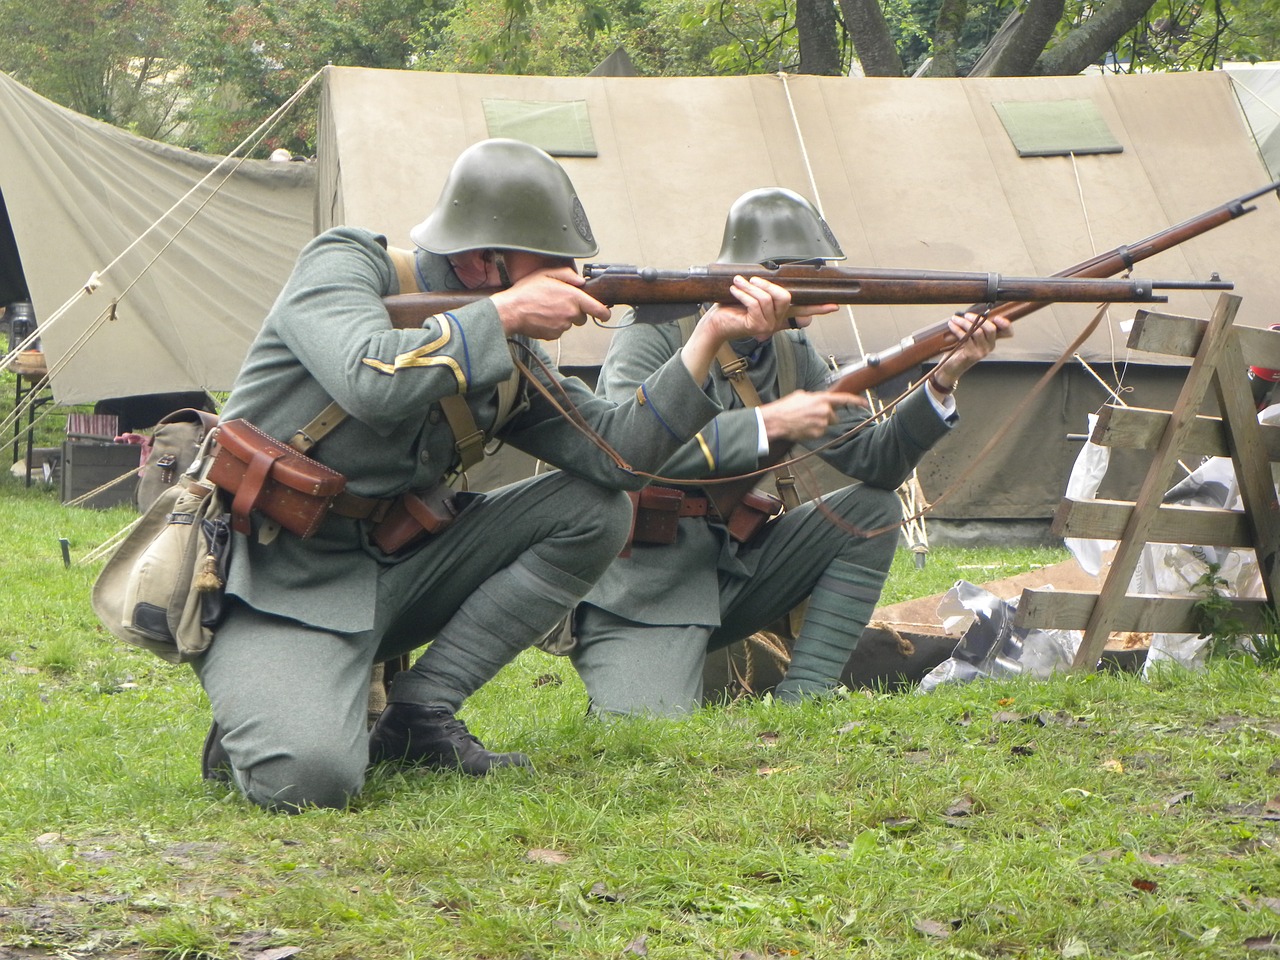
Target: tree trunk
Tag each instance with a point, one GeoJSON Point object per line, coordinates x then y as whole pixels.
{"type": "Point", "coordinates": [871, 40]}
{"type": "Point", "coordinates": [1089, 43]}
{"type": "Point", "coordinates": [946, 37]}
{"type": "Point", "coordinates": [1020, 41]}
{"type": "Point", "coordinates": [816, 28]}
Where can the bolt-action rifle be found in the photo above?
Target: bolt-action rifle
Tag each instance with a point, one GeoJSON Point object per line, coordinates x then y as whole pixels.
{"type": "Point", "coordinates": [663, 295]}
{"type": "Point", "coordinates": [937, 339]}
{"type": "Point", "coordinates": [923, 345]}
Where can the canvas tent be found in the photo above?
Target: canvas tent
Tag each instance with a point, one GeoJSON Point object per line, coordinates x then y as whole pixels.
{"type": "Point", "coordinates": [190, 296]}
{"type": "Point", "coordinates": [1258, 87]}
{"type": "Point", "coordinates": [910, 173]}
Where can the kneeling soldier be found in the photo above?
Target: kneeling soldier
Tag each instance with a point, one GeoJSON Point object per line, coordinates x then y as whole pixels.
{"type": "Point", "coordinates": [288, 669]}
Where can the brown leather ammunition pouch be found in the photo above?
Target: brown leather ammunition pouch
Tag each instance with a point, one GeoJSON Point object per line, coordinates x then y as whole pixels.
{"type": "Point", "coordinates": [751, 514]}
{"type": "Point", "coordinates": [414, 516]}
{"type": "Point", "coordinates": [656, 515]}
{"type": "Point", "coordinates": [269, 476]}
{"type": "Point", "coordinates": [658, 511]}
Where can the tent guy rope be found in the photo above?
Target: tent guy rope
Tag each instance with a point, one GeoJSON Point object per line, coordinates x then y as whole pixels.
{"type": "Point", "coordinates": [817, 197]}
{"type": "Point", "coordinates": [95, 278]}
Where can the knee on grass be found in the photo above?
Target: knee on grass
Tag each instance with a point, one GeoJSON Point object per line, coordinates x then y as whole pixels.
{"type": "Point", "coordinates": [300, 781]}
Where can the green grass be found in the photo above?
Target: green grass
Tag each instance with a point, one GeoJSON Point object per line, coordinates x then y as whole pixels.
{"type": "Point", "coordinates": [1084, 816]}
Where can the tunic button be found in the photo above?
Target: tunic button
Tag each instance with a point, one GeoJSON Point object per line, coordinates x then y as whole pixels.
{"type": "Point", "coordinates": [425, 456]}
{"type": "Point", "coordinates": [434, 415]}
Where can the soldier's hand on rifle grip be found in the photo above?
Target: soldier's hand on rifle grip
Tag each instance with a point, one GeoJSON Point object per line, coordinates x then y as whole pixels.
{"type": "Point", "coordinates": [545, 302]}
{"type": "Point", "coordinates": [761, 310]}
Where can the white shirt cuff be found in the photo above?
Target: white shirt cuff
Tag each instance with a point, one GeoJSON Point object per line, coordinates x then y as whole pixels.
{"type": "Point", "coordinates": [946, 406]}
{"type": "Point", "coordinates": [762, 438]}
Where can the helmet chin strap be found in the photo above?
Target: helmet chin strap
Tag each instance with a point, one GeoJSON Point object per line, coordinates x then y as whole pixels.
{"type": "Point", "coordinates": [500, 261]}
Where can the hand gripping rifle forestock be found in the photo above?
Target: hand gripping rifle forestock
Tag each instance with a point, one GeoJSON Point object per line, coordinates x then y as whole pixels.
{"type": "Point", "coordinates": [932, 341]}
{"type": "Point", "coordinates": [683, 290]}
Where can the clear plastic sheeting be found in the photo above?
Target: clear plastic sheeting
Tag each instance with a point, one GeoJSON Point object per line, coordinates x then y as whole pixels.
{"type": "Point", "coordinates": [1176, 570]}
{"type": "Point", "coordinates": [1179, 570]}
{"type": "Point", "coordinates": [1086, 476]}
{"type": "Point", "coordinates": [990, 645]}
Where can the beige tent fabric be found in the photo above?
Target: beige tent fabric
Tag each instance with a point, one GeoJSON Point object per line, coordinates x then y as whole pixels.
{"type": "Point", "coordinates": [79, 192]}
{"type": "Point", "coordinates": [910, 173]}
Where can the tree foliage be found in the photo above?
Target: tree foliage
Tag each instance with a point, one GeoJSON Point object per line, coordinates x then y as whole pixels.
{"type": "Point", "coordinates": [109, 59]}
{"type": "Point", "coordinates": [246, 59]}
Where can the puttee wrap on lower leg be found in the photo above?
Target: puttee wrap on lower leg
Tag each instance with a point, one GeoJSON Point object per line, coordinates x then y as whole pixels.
{"type": "Point", "coordinates": [508, 612]}
{"type": "Point", "coordinates": [839, 609]}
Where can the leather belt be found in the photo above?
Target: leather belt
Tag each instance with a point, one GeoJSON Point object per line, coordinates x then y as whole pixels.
{"type": "Point", "coordinates": [360, 508]}
{"type": "Point", "coordinates": [694, 505]}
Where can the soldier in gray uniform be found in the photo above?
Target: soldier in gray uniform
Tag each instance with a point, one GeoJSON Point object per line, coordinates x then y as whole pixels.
{"type": "Point", "coordinates": [643, 632]}
{"type": "Point", "coordinates": [287, 674]}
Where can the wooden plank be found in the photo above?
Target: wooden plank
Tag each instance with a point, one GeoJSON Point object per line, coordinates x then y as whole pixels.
{"type": "Point", "coordinates": [1138, 428]}
{"type": "Point", "coordinates": [1180, 337]}
{"type": "Point", "coordinates": [1249, 457]}
{"type": "Point", "coordinates": [1261, 348]}
{"type": "Point", "coordinates": [1069, 610]}
{"type": "Point", "coordinates": [1147, 503]}
{"type": "Point", "coordinates": [1166, 333]}
{"type": "Point", "coordinates": [1172, 523]}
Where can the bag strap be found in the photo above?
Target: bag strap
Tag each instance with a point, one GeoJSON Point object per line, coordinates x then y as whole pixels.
{"type": "Point", "coordinates": [406, 271]}
{"type": "Point", "coordinates": [786, 365]}
{"type": "Point", "coordinates": [331, 416]}
{"type": "Point", "coordinates": [319, 428]}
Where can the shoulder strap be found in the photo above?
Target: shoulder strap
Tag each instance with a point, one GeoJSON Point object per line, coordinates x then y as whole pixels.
{"type": "Point", "coordinates": [734, 369]}
{"type": "Point", "coordinates": [332, 415]}
{"type": "Point", "coordinates": [406, 274]}
{"type": "Point", "coordinates": [469, 439]}
{"type": "Point", "coordinates": [319, 428]}
{"type": "Point", "coordinates": [686, 327]}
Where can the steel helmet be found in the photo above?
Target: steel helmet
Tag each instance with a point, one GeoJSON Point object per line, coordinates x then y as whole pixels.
{"type": "Point", "coordinates": [774, 224]}
{"type": "Point", "coordinates": [507, 195]}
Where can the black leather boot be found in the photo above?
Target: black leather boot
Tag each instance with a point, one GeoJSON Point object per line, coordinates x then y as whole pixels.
{"type": "Point", "coordinates": [214, 763]}
{"type": "Point", "coordinates": [413, 734]}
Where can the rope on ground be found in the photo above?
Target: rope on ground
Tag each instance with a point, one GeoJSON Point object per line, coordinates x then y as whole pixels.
{"type": "Point", "coordinates": [905, 647]}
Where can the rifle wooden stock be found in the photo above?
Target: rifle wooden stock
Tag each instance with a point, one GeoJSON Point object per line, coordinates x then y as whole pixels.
{"type": "Point", "coordinates": [613, 284]}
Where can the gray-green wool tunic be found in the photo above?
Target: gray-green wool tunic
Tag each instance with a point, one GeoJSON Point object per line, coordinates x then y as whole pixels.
{"type": "Point", "coordinates": [679, 583]}
{"type": "Point", "coordinates": [328, 338]}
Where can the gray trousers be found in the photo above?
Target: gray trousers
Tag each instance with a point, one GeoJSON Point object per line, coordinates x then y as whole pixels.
{"type": "Point", "coordinates": [291, 699]}
{"type": "Point", "coordinates": [631, 667]}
